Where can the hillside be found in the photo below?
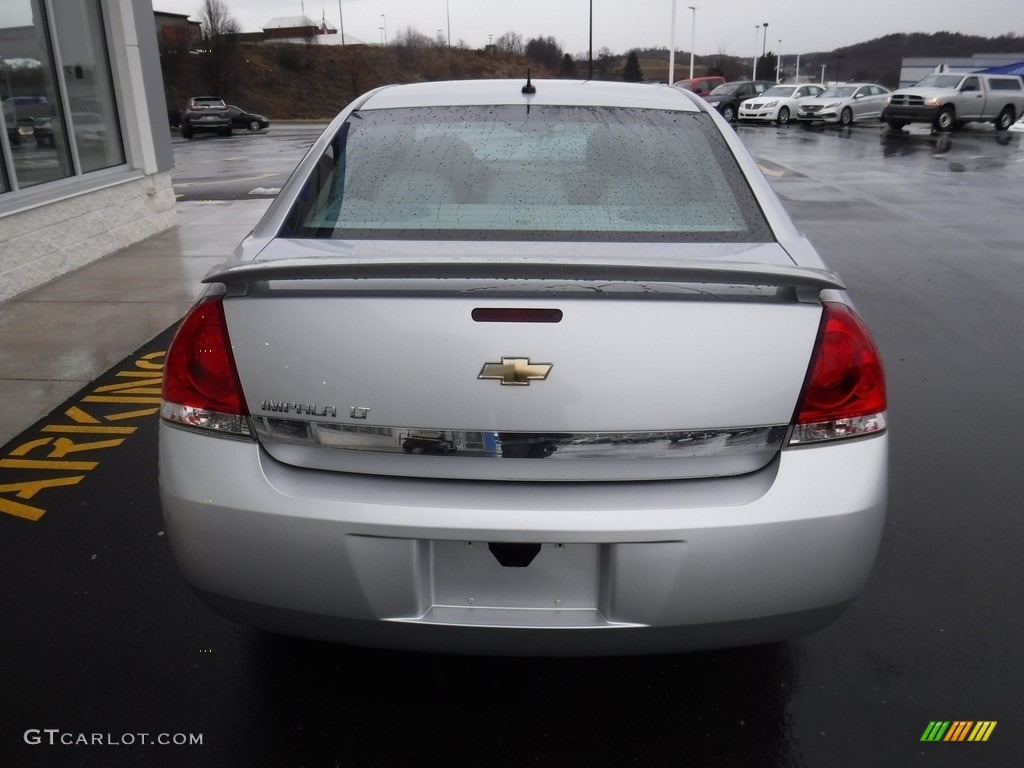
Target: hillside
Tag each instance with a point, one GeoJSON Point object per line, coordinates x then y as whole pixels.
{"type": "Point", "coordinates": [305, 82]}
{"type": "Point", "coordinates": [879, 60]}
{"type": "Point", "coordinates": [311, 82]}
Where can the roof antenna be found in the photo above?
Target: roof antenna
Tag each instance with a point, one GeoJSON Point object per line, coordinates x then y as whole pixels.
{"type": "Point", "coordinates": [528, 89]}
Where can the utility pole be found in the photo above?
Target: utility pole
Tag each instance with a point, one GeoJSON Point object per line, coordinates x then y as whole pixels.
{"type": "Point", "coordinates": [753, 76]}
{"type": "Point", "coordinates": [693, 35]}
{"type": "Point", "coordinates": [590, 56]}
{"type": "Point", "coordinates": [672, 47]}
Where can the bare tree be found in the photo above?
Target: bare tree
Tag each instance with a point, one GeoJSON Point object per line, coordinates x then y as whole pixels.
{"type": "Point", "coordinates": [606, 66]}
{"type": "Point", "coordinates": [510, 42]}
{"type": "Point", "coordinates": [220, 44]}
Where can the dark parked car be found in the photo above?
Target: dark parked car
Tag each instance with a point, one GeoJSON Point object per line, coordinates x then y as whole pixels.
{"type": "Point", "coordinates": [726, 98]}
{"type": "Point", "coordinates": [205, 113]}
{"type": "Point", "coordinates": [21, 114]}
{"type": "Point", "coordinates": [90, 130]}
{"type": "Point", "coordinates": [250, 121]}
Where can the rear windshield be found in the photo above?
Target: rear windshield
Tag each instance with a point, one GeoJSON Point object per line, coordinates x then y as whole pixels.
{"type": "Point", "coordinates": [1004, 84]}
{"type": "Point", "coordinates": [513, 173]}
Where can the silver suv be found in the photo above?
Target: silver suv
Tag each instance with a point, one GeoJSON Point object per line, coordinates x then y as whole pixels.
{"type": "Point", "coordinates": [205, 113]}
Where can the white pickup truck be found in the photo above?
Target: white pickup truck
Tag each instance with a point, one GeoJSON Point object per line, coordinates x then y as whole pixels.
{"type": "Point", "coordinates": [950, 100]}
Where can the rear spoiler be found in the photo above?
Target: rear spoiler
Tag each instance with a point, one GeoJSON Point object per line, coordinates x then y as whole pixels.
{"type": "Point", "coordinates": [681, 271]}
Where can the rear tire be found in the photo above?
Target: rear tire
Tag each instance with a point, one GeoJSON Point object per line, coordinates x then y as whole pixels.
{"type": "Point", "coordinates": [186, 132]}
{"type": "Point", "coordinates": [1005, 119]}
{"type": "Point", "coordinates": [896, 125]}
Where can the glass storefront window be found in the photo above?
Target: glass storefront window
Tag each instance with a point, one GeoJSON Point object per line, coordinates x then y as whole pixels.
{"type": "Point", "coordinates": [38, 79]}
{"type": "Point", "coordinates": [29, 97]}
{"type": "Point", "coordinates": [86, 72]}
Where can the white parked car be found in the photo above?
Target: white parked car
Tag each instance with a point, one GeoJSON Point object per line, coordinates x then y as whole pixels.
{"type": "Point", "coordinates": [779, 103]}
{"type": "Point", "coordinates": [845, 104]}
{"type": "Point", "coordinates": [517, 368]}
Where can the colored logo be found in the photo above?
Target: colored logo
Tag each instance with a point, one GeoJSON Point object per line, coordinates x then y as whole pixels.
{"type": "Point", "coordinates": [958, 730]}
{"type": "Point", "coordinates": [517, 371]}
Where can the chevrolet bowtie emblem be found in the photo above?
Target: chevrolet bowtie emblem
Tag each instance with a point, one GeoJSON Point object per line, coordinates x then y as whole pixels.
{"type": "Point", "coordinates": [515, 371]}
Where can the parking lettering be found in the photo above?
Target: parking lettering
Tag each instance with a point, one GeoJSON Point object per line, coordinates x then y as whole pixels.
{"type": "Point", "coordinates": [28, 489]}
{"type": "Point", "coordinates": [85, 432]}
{"type": "Point", "coordinates": [62, 446]}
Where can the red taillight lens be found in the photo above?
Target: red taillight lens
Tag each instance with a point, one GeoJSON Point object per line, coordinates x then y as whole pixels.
{"type": "Point", "coordinates": [844, 395]}
{"type": "Point", "coordinates": [200, 371]}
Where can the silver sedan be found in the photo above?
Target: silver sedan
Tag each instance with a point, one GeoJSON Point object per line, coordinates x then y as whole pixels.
{"type": "Point", "coordinates": [525, 368]}
{"type": "Point", "coordinates": [845, 104]}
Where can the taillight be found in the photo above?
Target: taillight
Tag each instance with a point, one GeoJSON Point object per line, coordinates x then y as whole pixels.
{"type": "Point", "coordinates": [201, 387]}
{"type": "Point", "coordinates": [844, 395]}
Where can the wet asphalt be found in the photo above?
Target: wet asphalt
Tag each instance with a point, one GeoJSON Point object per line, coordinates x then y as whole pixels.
{"type": "Point", "coordinates": [101, 638]}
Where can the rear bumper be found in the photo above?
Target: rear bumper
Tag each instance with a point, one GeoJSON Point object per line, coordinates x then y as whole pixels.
{"type": "Point", "coordinates": [208, 125]}
{"type": "Point", "coordinates": [620, 568]}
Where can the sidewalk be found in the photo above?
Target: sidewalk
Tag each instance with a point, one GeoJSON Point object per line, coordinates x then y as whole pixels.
{"type": "Point", "coordinates": [56, 339]}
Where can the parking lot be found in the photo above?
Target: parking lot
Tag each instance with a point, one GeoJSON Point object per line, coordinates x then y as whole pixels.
{"type": "Point", "coordinates": [103, 638]}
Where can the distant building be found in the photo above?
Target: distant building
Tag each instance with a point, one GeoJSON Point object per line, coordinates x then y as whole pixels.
{"type": "Point", "coordinates": [292, 28]}
{"type": "Point", "coordinates": [176, 31]}
{"type": "Point", "coordinates": [913, 69]}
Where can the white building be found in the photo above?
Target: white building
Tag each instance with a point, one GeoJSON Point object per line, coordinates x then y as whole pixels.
{"type": "Point", "coordinates": [85, 149]}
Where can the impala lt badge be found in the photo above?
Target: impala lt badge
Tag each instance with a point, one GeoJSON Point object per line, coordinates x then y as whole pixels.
{"type": "Point", "coordinates": [517, 371]}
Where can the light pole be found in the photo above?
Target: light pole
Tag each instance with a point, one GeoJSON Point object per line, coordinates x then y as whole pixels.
{"type": "Point", "coordinates": [341, 23]}
{"type": "Point", "coordinates": [753, 75]}
{"type": "Point", "coordinates": [590, 54]}
{"type": "Point", "coordinates": [778, 63]}
{"type": "Point", "coordinates": [672, 47]}
{"type": "Point", "coordinates": [385, 28]}
{"type": "Point", "coordinates": [448, 18]}
{"type": "Point", "coordinates": [693, 35]}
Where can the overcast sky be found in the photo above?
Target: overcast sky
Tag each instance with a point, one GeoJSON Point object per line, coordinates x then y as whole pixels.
{"type": "Point", "coordinates": [722, 26]}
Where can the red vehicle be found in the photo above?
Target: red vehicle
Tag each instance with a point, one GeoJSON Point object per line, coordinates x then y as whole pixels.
{"type": "Point", "coordinates": [702, 86]}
